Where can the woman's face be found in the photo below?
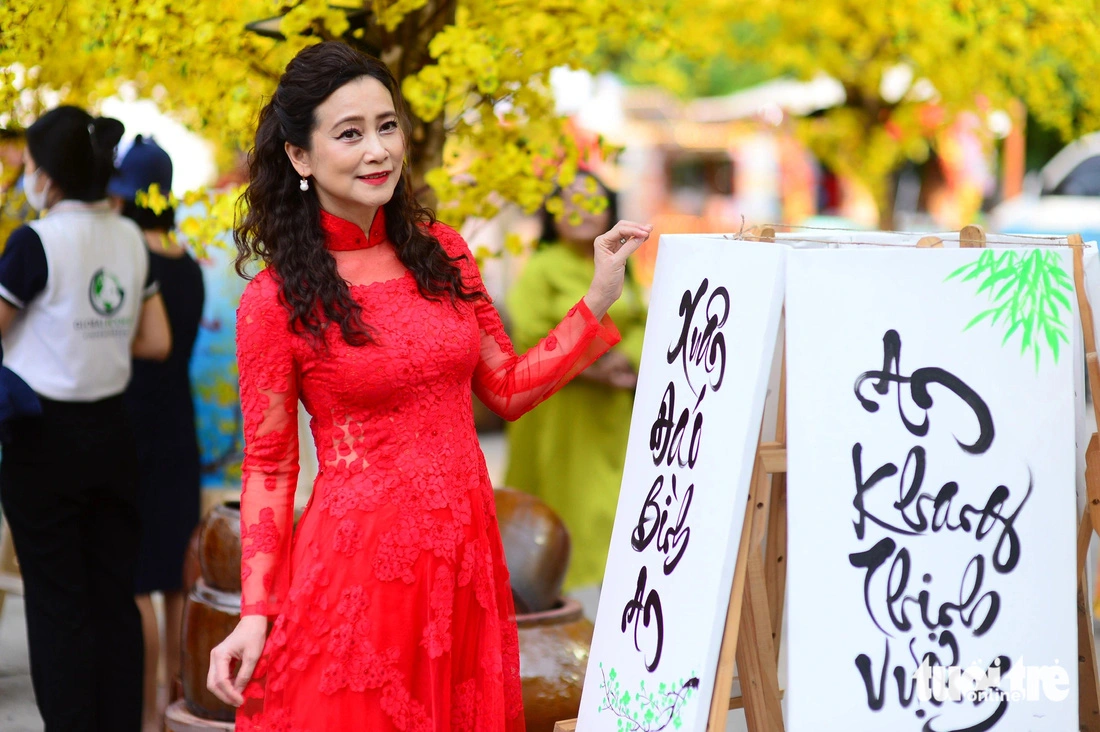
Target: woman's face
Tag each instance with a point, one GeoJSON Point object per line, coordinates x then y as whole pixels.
{"type": "Point", "coordinates": [356, 151]}
{"type": "Point", "coordinates": [578, 224]}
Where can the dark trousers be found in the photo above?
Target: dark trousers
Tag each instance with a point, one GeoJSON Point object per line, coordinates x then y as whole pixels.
{"type": "Point", "coordinates": [68, 487]}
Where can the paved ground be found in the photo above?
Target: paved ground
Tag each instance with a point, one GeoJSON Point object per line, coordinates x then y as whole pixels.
{"type": "Point", "coordinates": [17, 710]}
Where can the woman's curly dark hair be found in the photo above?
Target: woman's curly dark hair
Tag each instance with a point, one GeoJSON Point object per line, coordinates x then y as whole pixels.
{"type": "Point", "coordinates": [282, 225]}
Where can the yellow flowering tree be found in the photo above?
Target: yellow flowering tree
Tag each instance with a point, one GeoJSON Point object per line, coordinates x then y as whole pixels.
{"type": "Point", "coordinates": [909, 67]}
{"type": "Point", "coordinates": [475, 72]}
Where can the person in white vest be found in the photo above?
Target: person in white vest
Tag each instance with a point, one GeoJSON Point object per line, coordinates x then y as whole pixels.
{"type": "Point", "coordinates": [76, 302]}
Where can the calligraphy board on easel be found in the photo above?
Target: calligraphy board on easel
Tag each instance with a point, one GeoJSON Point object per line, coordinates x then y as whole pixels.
{"type": "Point", "coordinates": [931, 489]}
{"type": "Point", "coordinates": [709, 342]}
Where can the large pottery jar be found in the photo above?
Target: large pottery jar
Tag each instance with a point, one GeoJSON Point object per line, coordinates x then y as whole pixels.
{"type": "Point", "coordinates": [554, 635]}
{"type": "Point", "coordinates": [536, 549]}
{"type": "Point", "coordinates": [213, 605]}
{"type": "Point", "coordinates": [220, 547]}
{"type": "Point", "coordinates": [553, 656]}
{"type": "Point", "coordinates": [209, 615]}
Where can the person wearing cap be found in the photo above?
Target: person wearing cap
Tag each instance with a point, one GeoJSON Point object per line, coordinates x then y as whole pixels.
{"type": "Point", "coordinates": [77, 301]}
{"type": "Point", "coordinates": [163, 414]}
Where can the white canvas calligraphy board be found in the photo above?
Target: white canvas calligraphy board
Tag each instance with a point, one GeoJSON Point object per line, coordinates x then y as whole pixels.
{"type": "Point", "coordinates": [684, 516]}
{"type": "Point", "coordinates": [1000, 427]}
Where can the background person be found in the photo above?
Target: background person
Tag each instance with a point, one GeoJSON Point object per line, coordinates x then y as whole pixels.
{"type": "Point", "coordinates": [163, 415]}
{"type": "Point", "coordinates": [76, 301]}
{"type": "Point", "coordinates": [570, 450]}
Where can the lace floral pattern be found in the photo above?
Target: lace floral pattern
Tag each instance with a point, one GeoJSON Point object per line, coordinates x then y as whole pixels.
{"type": "Point", "coordinates": [390, 601]}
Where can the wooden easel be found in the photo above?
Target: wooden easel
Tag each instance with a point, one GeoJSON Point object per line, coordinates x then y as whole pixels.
{"type": "Point", "coordinates": [755, 609]}
{"type": "Point", "coordinates": [755, 612]}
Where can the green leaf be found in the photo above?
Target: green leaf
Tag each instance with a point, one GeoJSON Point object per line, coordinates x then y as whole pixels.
{"type": "Point", "coordinates": [1006, 308]}
{"type": "Point", "coordinates": [1061, 298]}
{"type": "Point", "coordinates": [978, 318]}
{"type": "Point", "coordinates": [994, 279]}
{"type": "Point", "coordinates": [1052, 341]}
{"type": "Point", "coordinates": [1064, 280]}
{"type": "Point", "coordinates": [1008, 286]}
{"type": "Point", "coordinates": [959, 271]}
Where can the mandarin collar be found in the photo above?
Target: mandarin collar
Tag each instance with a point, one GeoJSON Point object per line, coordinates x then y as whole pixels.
{"type": "Point", "coordinates": [343, 236]}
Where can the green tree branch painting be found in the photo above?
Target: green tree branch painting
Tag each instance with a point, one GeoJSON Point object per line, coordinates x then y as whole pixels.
{"type": "Point", "coordinates": [1028, 292]}
{"type": "Point", "coordinates": [646, 711]}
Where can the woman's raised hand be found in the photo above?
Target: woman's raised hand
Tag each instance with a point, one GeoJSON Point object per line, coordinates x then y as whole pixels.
{"type": "Point", "coordinates": [244, 645]}
{"type": "Point", "coordinates": [610, 252]}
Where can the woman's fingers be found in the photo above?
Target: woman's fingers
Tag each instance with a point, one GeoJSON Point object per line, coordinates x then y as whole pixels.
{"type": "Point", "coordinates": [246, 643]}
{"type": "Point", "coordinates": [630, 247]}
{"type": "Point", "coordinates": [218, 681]}
{"type": "Point", "coordinates": [610, 255]}
{"type": "Point", "coordinates": [211, 674]}
{"type": "Point", "coordinates": [633, 228]}
{"type": "Point", "coordinates": [244, 673]}
{"type": "Point", "coordinates": [626, 234]}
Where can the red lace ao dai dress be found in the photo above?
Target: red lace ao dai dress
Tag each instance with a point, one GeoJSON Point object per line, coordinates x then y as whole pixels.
{"type": "Point", "coordinates": [390, 604]}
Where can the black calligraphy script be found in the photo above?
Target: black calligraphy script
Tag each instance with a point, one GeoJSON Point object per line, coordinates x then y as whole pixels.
{"type": "Point", "coordinates": [675, 441]}
{"type": "Point", "coordinates": [907, 608]}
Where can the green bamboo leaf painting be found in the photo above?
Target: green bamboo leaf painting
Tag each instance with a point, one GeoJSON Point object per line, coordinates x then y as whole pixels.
{"type": "Point", "coordinates": [1028, 293]}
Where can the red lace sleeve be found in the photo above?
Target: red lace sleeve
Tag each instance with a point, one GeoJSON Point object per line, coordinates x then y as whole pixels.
{"type": "Point", "coordinates": [512, 385]}
{"type": "Point", "coordinates": [269, 402]}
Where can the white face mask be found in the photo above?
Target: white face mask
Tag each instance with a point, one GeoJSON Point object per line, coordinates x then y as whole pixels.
{"type": "Point", "coordinates": [37, 199]}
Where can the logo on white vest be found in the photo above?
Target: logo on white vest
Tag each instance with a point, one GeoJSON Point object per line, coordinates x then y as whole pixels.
{"type": "Point", "coordinates": [105, 293]}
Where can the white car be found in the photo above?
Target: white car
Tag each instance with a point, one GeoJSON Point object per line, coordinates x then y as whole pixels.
{"type": "Point", "coordinates": [1070, 199]}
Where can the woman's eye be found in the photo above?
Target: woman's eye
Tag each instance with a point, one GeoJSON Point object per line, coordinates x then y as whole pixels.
{"type": "Point", "coordinates": [389, 126]}
{"type": "Point", "coordinates": [349, 134]}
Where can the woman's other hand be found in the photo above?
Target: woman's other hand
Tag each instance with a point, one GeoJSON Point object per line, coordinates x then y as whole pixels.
{"type": "Point", "coordinates": [613, 369]}
{"type": "Point", "coordinates": [610, 252]}
{"type": "Point", "coordinates": [243, 646]}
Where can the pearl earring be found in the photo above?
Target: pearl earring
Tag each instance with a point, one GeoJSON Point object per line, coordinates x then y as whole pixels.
{"type": "Point", "coordinates": [304, 185]}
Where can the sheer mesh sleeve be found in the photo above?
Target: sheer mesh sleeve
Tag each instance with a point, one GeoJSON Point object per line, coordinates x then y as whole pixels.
{"type": "Point", "coordinates": [269, 402]}
{"type": "Point", "coordinates": [512, 385]}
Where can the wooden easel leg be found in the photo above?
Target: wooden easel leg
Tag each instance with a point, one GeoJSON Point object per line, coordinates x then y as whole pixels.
{"type": "Point", "coordinates": [775, 553]}
{"type": "Point", "coordinates": [748, 636]}
{"type": "Point", "coordinates": [756, 659]}
{"type": "Point", "coordinates": [775, 557]}
{"type": "Point", "coordinates": [1088, 681]}
{"type": "Point", "coordinates": [1092, 477]}
{"type": "Point", "coordinates": [1088, 684]}
{"type": "Point", "coordinates": [723, 676]}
